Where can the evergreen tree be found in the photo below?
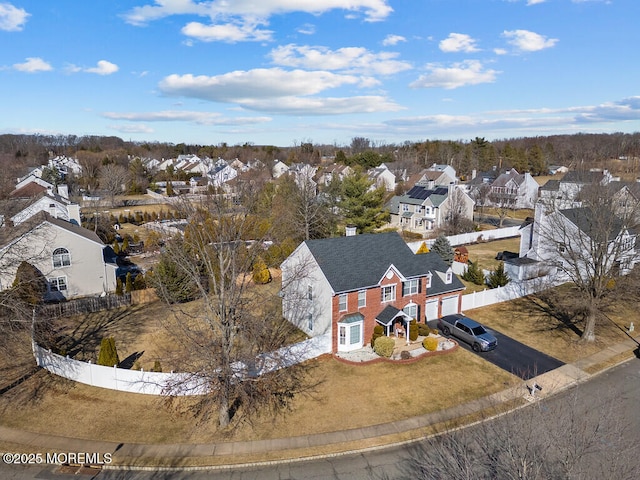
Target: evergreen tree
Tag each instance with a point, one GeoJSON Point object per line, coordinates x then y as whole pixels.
{"type": "Point", "coordinates": [443, 248]}
{"type": "Point", "coordinates": [128, 285]}
{"type": "Point", "coordinates": [361, 206]}
{"type": "Point", "coordinates": [108, 355]}
{"type": "Point", "coordinates": [474, 273]}
{"type": "Point", "coordinates": [30, 284]}
{"type": "Point", "coordinates": [119, 290]}
{"type": "Point", "coordinates": [498, 278]}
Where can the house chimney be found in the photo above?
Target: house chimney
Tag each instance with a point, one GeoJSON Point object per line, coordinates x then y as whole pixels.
{"type": "Point", "coordinates": [350, 230]}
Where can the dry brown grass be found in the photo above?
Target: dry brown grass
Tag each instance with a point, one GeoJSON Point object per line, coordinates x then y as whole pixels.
{"type": "Point", "coordinates": [530, 321]}
{"type": "Point", "coordinates": [485, 252]}
{"type": "Point", "coordinates": [393, 392]}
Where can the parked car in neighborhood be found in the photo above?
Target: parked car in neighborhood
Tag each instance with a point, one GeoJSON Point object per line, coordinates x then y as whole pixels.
{"type": "Point", "coordinates": [468, 330]}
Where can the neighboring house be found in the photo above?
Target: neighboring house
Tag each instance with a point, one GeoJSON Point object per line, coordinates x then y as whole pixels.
{"type": "Point", "coordinates": [303, 174]}
{"type": "Point", "coordinates": [29, 186]}
{"type": "Point", "coordinates": [446, 170]}
{"type": "Point", "coordinates": [345, 286]}
{"type": "Point", "coordinates": [336, 170]}
{"type": "Point", "coordinates": [514, 190]}
{"type": "Point", "coordinates": [73, 259]}
{"type": "Point", "coordinates": [423, 209]}
{"type": "Point", "coordinates": [555, 169]}
{"type": "Point", "coordinates": [65, 165]}
{"type": "Point", "coordinates": [435, 178]}
{"type": "Point", "coordinates": [279, 168]}
{"type": "Point", "coordinates": [55, 205]}
{"type": "Point", "coordinates": [221, 173]}
{"type": "Point", "coordinates": [382, 177]}
{"type": "Point", "coordinates": [564, 193]}
{"type": "Point", "coordinates": [553, 234]}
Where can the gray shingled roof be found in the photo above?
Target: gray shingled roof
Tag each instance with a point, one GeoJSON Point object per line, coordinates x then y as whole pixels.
{"type": "Point", "coordinates": [360, 261]}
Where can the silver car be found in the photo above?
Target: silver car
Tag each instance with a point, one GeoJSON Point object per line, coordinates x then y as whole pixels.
{"type": "Point", "coordinates": [469, 331]}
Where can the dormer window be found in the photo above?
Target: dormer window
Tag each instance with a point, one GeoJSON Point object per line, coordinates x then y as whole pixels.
{"type": "Point", "coordinates": [429, 275]}
{"type": "Point", "coordinates": [449, 277]}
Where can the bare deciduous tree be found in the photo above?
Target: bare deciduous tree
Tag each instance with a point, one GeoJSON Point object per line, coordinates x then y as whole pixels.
{"type": "Point", "coordinates": [590, 245]}
{"type": "Point", "coordinates": [227, 335]}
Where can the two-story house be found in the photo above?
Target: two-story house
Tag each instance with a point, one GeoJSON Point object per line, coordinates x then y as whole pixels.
{"type": "Point", "coordinates": [343, 287]}
{"type": "Point", "coordinates": [73, 259]}
{"type": "Point", "coordinates": [427, 207]}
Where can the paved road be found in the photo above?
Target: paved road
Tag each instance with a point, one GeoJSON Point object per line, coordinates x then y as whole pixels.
{"type": "Point", "coordinates": [619, 386]}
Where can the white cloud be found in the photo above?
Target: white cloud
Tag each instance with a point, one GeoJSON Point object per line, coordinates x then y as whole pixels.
{"type": "Point", "coordinates": [469, 72]}
{"type": "Point", "coordinates": [373, 10]}
{"type": "Point", "coordinates": [12, 19]}
{"type": "Point", "coordinates": [200, 118]}
{"type": "Point", "coordinates": [33, 65]}
{"type": "Point", "coordinates": [393, 40]}
{"type": "Point", "coordinates": [458, 42]}
{"type": "Point", "coordinates": [131, 128]}
{"type": "Point", "coordinates": [348, 59]}
{"type": "Point", "coordinates": [306, 29]}
{"type": "Point", "coordinates": [535, 2]}
{"type": "Point", "coordinates": [526, 41]}
{"type": "Point", "coordinates": [103, 68]}
{"type": "Point", "coordinates": [226, 32]}
{"type": "Point", "coordinates": [278, 90]}
{"type": "Point", "coordinates": [324, 105]}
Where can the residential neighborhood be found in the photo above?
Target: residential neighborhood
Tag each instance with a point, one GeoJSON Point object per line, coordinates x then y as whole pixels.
{"type": "Point", "coordinates": [361, 263]}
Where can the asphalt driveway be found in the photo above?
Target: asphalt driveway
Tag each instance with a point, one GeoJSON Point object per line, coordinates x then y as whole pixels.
{"type": "Point", "coordinates": [516, 357]}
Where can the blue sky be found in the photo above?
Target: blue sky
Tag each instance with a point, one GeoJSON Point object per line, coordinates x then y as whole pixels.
{"type": "Point", "coordinates": [283, 72]}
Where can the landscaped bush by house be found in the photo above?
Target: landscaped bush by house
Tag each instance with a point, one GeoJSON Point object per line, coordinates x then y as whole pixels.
{"type": "Point", "coordinates": [384, 346]}
{"type": "Point", "coordinates": [405, 355]}
{"type": "Point", "coordinates": [413, 330]}
{"type": "Point", "coordinates": [430, 344]}
{"type": "Point", "coordinates": [108, 355]}
{"type": "Point", "coordinates": [378, 331]}
{"type": "Point", "coordinates": [423, 329]}
{"type": "Point", "coordinates": [157, 367]}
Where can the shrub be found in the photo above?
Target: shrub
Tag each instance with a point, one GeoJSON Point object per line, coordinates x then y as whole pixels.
{"type": "Point", "coordinates": [157, 367]}
{"type": "Point", "coordinates": [384, 346]}
{"type": "Point", "coordinates": [435, 331]}
{"type": "Point", "coordinates": [474, 274]}
{"type": "Point", "coordinates": [443, 248]}
{"type": "Point", "coordinates": [30, 284]}
{"type": "Point", "coordinates": [423, 249]}
{"type": "Point", "coordinates": [119, 290]}
{"type": "Point", "coordinates": [128, 283]}
{"type": "Point", "coordinates": [430, 344]}
{"type": "Point", "coordinates": [108, 355]}
{"type": "Point", "coordinates": [413, 330]}
{"type": "Point", "coordinates": [378, 331]}
{"type": "Point", "coordinates": [423, 329]}
{"type": "Point", "coordinates": [261, 274]}
{"type": "Point", "coordinates": [405, 355]}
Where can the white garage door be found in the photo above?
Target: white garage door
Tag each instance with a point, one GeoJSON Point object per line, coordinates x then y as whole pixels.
{"type": "Point", "coordinates": [431, 310]}
{"type": "Point", "coordinates": [449, 305]}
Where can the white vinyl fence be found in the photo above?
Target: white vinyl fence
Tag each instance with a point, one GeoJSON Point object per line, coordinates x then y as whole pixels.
{"type": "Point", "coordinates": [473, 237]}
{"type": "Point", "coordinates": [161, 383]}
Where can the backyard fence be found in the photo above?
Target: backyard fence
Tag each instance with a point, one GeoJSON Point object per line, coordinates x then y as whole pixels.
{"type": "Point", "coordinates": [473, 237]}
{"type": "Point", "coordinates": [165, 383]}
{"type": "Point", "coordinates": [83, 305]}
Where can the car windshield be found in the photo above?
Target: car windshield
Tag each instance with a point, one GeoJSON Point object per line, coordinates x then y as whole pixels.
{"type": "Point", "coordinates": [479, 330]}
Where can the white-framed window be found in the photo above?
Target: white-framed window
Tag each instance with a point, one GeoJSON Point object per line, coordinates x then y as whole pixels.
{"type": "Point", "coordinates": [405, 207]}
{"type": "Point", "coordinates": [411, 310]}
{"type": "Point", "coordinates": [342, 302]}
{"type": "Point", "coordinates": [57, 284]}
{"type": "Point", "coordinates": [410, 287]}
{"type": "Point", "coordinates": [309, 292]}
{"type": "Point", "coordinates": [310, 321]}
{"type": "Point", "coordinates": [362, 298]}
{"type": "Point", "coordinates": [61, 258]}
{"type": "Point", "coordinates": [388, 293]}
{"type": "Point", "coordinates": [350, 336]}
{"type": "Point", "coordinates": [418, 208]}
{"type": "Point", "coordinates": [449, 277]}
{"type": "Point", "coordinates": [427, 210]}
{"type": "Point", "coordinates": [429, 280]}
